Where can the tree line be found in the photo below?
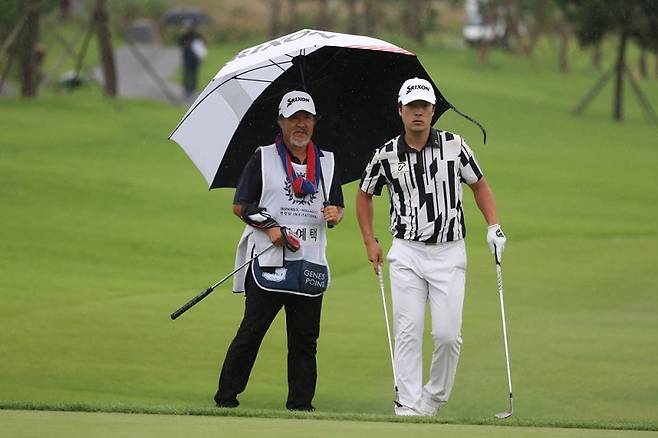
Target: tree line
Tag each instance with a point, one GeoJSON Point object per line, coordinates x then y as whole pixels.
{"type": "Point", "coordinates": [20, 30]}
{"type": "Point", "coordinates": [523, 24]}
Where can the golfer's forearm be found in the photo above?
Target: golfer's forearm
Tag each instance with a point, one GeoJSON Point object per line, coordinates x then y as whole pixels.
{"type": "Point", "coordinates": [364, 215]}
{"type": "Point", "coordinates": [485, 201]}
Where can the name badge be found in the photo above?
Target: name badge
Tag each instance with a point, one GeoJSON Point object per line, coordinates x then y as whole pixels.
{"type": "Point", "coordinates": [307, 234]}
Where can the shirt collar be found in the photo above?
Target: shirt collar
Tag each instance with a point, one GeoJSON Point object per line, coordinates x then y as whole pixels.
{"type": "Point", "coordinates": [295, 160]}
{"type": "Point", "coordinates": [432, 141]}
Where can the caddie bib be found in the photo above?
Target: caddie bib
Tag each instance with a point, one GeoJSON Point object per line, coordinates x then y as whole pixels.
{"type": "Point", "coordinates": [305, 272]}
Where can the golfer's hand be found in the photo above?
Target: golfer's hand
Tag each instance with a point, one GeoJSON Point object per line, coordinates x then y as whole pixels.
{"type": "Point", "coordinates": [375, 254]}
{"type": "Point", "coordinates": [496, 240]}
{"type": "Point", "coordinates": [275, 236]}
{"type": "Point", "coordinates": [332, 214]}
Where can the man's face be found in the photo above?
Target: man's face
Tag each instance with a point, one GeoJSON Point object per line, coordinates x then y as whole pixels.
{"type": "Point", "coordinates": [417, 115]}
{"type": "Point", "coordinates": [297, 129]}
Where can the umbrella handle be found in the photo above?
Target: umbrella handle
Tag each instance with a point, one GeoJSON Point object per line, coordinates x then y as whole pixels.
{"type": "Point", "coordinates": [324, 192]}
{"type": "Point", "coordinates": [329, 224]}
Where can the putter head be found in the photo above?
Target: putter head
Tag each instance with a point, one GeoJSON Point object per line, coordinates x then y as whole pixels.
{"type": "Point", "coordinates": [503, 415]}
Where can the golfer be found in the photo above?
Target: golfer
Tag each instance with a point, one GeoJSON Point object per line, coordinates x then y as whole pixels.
{"type": "Point", "coordinates": [423, 169]}
{"type": "Point", "coordinates": [282, 198]}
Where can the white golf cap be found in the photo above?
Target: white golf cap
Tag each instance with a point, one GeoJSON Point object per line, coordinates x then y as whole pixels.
{"type": "Point", "coordinates": [294, 101]}
{"type": "Point", "coordinates": [416, 89]}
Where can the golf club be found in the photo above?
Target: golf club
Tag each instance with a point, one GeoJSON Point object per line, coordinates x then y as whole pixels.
{"type": "Point", "coordinates": [185, 307]}
{"type": "Point", "coordinates": [499, 272]}
{"type": "Point", "coordinates": [380, 275]}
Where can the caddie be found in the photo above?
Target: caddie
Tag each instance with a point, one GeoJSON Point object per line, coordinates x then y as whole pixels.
{"type": "Point", "coordinates": [287, 193]}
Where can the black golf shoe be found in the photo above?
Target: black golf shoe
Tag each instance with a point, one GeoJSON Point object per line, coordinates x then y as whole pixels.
{"type": "Point", "coordinates": [227, 404]}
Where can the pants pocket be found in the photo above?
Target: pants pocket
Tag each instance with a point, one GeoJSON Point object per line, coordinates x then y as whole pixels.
{"type": "Point", "coordinates": [392, 255]}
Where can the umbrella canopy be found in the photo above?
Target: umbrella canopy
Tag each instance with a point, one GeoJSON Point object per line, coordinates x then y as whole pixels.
{"type": "Point", "coordinates": [183, 16]}
{"type": "Point", "coordinates": [354, 81]}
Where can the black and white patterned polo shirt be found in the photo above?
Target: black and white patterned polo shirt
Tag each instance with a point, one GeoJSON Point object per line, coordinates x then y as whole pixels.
{"type": "Point", "coordinates": [424, 186]}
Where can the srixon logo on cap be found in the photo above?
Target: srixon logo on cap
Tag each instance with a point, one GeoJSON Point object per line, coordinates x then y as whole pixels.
{"type": "Point", "coordinates": [410, 88]}
{"type": "Point", "coordinates": [297, 99]}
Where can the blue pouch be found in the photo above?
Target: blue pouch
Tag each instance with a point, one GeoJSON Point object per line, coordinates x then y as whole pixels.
{"type": "Point", "coordinates": [298, 276]}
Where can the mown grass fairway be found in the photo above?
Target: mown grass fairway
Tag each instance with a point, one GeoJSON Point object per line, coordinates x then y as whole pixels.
{"type": "Point", "coordinates": [106, 228]}
{"type": "Point", "coordinates": [36, 424]}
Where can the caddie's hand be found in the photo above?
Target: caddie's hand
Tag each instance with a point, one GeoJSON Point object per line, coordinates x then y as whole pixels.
{"type": "Point", "coordinates": [275, 236]}
{"type": "Point", "coordinates": [290, 239]}
{"type": "Point", "coordinates": [375, 254]}
{"type": "Point", "coordinates": [496, 240]}
{"type": "Point", "coordinates": [332, 214]}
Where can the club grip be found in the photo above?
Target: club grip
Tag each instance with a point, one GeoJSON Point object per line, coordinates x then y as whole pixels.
{"type": "Point", "coordinates": [185, 307]}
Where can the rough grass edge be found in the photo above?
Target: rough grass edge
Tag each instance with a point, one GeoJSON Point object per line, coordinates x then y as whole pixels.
{"type": "Point", "coordinates": [280, 414]}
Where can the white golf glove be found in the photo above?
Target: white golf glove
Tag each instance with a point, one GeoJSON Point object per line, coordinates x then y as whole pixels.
{"type": "Point", "coordinates": [496, 240]}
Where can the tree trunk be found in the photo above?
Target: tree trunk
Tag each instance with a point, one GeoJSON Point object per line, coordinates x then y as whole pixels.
{"type": "Point", "coordinates": [13, 37]}
{"type": "Point", "coordinates": [619, 77]}
{"type": "Point", "coordinates": [353, 18]}
{"type": "Point", "coordinates": [565, 36]}
{"type": "Point", "coordinates": [64, 9]}
{"type": "Point", "coordinates": [28, 41]}
{"type": "Point", "coordinates": [484, 52]}
{"type": "Point", "coordinates": [540, 25]}
{"type": "Point", "coordinates": [370, 17]}
{"type": "Point", "coordinates": [597, 56]}
{"type": "Point", "coordinates": [293, 17]}
{"type": "Point", "coordinates": [323, 17]}
{"type": "Point", "coordinates": [490, 13]}
{"type": "Point", "coordinates": [105, 48]}
{"type": "Point", "coordinates": [533, 39]}
{"type": "Point", "coordinates": [414, 14]}
{"type": "Point", "coordinates": [275, 18]}
{"type": "Point", "coordinates": [642, 63]}
{"type": "Point", "coordinates": [513, 20]}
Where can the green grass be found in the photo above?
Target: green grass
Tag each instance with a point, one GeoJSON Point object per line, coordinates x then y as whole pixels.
{"type": "Point", "coordinates": [68, 424]}
{"type": "Point", "coordinates": [106, 228]}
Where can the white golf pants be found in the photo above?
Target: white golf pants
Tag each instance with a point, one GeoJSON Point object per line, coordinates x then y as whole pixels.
{"type": "Point", "coordinates": [420, 274]}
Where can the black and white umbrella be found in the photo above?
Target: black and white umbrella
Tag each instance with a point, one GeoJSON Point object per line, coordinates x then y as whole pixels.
{"type": "Point", "coordinates": [182, 16]}
{"type": "Point", "coordinates": [354, 81]}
